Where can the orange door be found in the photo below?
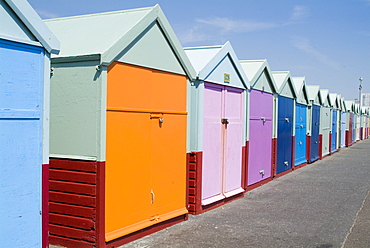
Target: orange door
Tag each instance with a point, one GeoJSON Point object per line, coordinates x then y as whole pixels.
{"type": "Point", "coordinates": [146, 148]}
{"type": "Point", "coordinates": [127, 173]}
{"type": "Point", "coordinates": [167, 173]}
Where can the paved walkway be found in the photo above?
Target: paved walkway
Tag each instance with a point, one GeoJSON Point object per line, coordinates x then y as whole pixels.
{"type": "Point", "coordinates": [325, 204]}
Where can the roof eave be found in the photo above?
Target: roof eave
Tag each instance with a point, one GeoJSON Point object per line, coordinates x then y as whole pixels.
{"type": "Point", "coordinates": [34, 23]}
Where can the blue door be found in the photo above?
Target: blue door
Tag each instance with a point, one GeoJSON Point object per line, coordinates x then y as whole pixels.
{"type": "Point", "coordinates": [21, 104]}
{"type": "Point", "coordinates": [334, 131]}
{"type": "Point", "coordinates": [284, 134]}
{"type": "Point", "coordinates": [300, 134]}
{"type": "Point", "coordinates": [315, 130]}
{"type": "Point", "coordinates": [343, 130]}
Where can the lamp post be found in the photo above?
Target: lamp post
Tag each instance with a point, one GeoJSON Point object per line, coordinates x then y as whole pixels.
{"type": "Point", "coordinates": [360, 88]}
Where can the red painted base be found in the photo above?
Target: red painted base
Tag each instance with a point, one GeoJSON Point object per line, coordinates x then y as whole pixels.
{"type": "Point", "coordinates": [258, 184]}
{"type": "Point", "coordinates": [308, 148]}
{"type": "Point", "coordinates": [194, 186]}
{"type": "Point", "coordinates": [300, 166]}
{"type": "Point", "coordinates": [320, 146]}
{"type": "Point", "coordinates": [274, 157]}
{"type": "Point", "coordinates": [45, 206]}
{"type": "Point", "coordinates": [283, 173]}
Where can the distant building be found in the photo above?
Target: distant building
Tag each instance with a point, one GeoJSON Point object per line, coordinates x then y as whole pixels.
{"type": "Point", "coordinates": [365, 99]}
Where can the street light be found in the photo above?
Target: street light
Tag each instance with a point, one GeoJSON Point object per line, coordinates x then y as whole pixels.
{"type": "Point", "coordinates": [360, 88]}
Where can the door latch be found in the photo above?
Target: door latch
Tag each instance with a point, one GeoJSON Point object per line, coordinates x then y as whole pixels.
{"type": "Point", "coordinates": [224, 121]}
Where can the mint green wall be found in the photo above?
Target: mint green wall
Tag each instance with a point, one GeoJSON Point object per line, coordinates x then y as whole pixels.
{"type": "Point", "coordinates": [151, 49]}
{"type": "Point", "coordinates": [76, 110]}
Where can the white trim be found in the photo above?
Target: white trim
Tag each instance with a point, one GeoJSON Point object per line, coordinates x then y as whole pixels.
{"type": "Point", "coordinates": [212, 199]}
{"type": "Point", "coordinates": [233, 192]}
{"type": "Point", "coordinates": [22, 41]}
{"type": "Point", "coordinates": [78, 157]}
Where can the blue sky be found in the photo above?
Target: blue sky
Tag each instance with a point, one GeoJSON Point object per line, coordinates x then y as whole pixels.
{"type": "Point", "coordinates": [327, 41]}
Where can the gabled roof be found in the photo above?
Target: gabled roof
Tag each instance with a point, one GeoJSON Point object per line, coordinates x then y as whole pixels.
{"type": "Point", "coordinates": [206, 59]}
{"type": "Point", "coordinates": [33, 22]}
{"type": "Point", "coordinates": [109, 34]}
{"type": "Point", "coordinates": [324, 94]}
{"type": "Point", "coordinates": [254, 68]}
{"type": "Point", "coordinates": [283, 79]}
{"type": "Point", "coordinates": [334, 100]}
{"type": "Point", "coordinates": [300, 87]}
{"type": "Point", "coordinates": [349, 105]}
{"type": "Point", "coordinates": [342, 105]}
{"type": "Point", "coordinates": [313, 92]}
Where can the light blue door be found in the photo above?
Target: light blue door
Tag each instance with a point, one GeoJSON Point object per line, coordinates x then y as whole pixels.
{"type": "Point", "coordinates": [343, 130]}
{"type": "Point", "coordinates": [334, 131]}
{"type": "Point", "coordinates": [300, 134]}
{"type": "Point", "coordinates": [21, 99]}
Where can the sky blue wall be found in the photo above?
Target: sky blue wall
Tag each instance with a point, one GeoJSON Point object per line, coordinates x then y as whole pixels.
{"type": "Point", "coordinates": [21, 99]}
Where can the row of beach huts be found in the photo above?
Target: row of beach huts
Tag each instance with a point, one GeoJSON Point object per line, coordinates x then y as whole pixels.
{"type": "Point", "coordinates": [142, 131]}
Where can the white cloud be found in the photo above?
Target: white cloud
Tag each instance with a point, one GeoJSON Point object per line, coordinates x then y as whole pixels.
{"type": "Point", "coordinates": [305, 45]}
{"type": "Point", "coordinates": [226, 25]}
{"type": "Point", "coordinates": [299, 13]}
{"type": "Point", "coordinates": [45, 14]}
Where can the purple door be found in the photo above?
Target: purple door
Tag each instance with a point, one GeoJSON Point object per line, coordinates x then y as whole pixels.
{"type": "Point", "coordinates": [260, 136]}
{"type": "Point", "coordinates": [222, 142]}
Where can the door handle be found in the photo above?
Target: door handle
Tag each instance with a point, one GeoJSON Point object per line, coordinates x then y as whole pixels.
{"type": "Point", "coordinates": [153, 197]}
{"type": "Point", "coordinates": [263, 119]}
{"type": "Point", "coordinates": [286, 163]}
{"type": "Point", "coordinates": [157, 116]}
{"type": "Point", "coordinates": [301, 126]}
{"type": "Point", "coordinates": [224, 121]}
{"type": "Point", "coordinates": [287, 119]}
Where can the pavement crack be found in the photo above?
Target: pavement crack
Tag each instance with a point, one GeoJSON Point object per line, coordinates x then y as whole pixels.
{"type": "Point", "coordinates": [355, 220]}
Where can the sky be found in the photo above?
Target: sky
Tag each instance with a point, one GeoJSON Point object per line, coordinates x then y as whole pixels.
{"type": "Point", "coordinates": [327, 41]}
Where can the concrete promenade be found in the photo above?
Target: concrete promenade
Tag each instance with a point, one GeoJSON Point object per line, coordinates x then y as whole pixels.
{"type": "Point", "coordinates": [324, 204]}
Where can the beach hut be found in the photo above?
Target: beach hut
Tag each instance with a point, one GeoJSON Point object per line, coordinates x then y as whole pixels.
{"type": "Point", "coordinates": [25, 47]}
{"type": "Point", "coordinates": [325, 124]}
{"type": "Point", "coordinates": [349, 122]}
{"type": "Point", "coordinates": [366, 127]}
{"type": "Point", "coordinates": [362, 123]}
{"type": "Point", "coordinates": [217, 127]}
{"type": "Point", "coordinates": [260, 145]}
{"type": "Point", "coordinates": [356, 121]}
{"type": "Point", "coordinates": [300, 132]}
{"type": "Point", "coordinates": [314, 98]}
{"type": "Point", "coordinates": [343, 123]}
{"type": "Point", "coordinates": [118, 128]}
{"type": "Point", "coordinates": [285, 121]}
{"type": "Point", "coordinates": [335, 123]}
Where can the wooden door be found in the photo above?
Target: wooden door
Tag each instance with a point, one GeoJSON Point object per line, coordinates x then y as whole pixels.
{"type": "Point", "coordinates": [315, 131]}
{"type": "Point", "coordinates": [222, 142]}
{"type": "Point", "coordinates": [284, 135]}
{"type": "Point", "coordinates": [145, 148]}
{"type": "Point", "coordinates": [212, 144]}
{"type": "Point", "coordinates": [260, 136]}
{"type": "Point", "coordinates": [233, 140]}
{"type": "Point", "coordinates": [300, 135]}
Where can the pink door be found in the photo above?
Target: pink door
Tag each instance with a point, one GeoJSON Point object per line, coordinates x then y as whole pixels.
{"type": "Point", "coordinates": [222, 142]}
{"type": "Point", "coordinates": [233, 141]}
{"type": "Point", "coordinates": [212, 144]}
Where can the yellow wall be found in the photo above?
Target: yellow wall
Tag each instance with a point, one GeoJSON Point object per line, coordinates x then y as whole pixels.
{"type": "Point", "coordinates": [146, 159]}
